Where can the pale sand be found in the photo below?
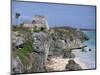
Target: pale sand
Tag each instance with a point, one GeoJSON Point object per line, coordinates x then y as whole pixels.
{"type": "Point", "coordinates": [59, 63]}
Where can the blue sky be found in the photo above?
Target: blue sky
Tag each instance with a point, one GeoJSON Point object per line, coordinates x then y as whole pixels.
{"type": "Point", "coordinates": [78, 16]}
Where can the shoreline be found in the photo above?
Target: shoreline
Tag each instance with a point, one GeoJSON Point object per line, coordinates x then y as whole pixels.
{"type": "Point", "coordinates": [83, 65]}
{"type": "Point", "coordinates": [59, 63]}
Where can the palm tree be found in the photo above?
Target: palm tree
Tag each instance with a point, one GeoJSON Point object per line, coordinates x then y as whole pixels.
{"type": "Point", "coordinates": [17, 16]}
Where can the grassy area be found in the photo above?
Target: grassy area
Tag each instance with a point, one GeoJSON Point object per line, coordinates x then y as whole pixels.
{"type": "Point", "coordinates": [23, 53]}
{"type": "Point", "coordinates": [21, 28]}
{"type": "Point", "coordinates": [67, 32]}
{"type": "Point", "coordinates": [71, 33]}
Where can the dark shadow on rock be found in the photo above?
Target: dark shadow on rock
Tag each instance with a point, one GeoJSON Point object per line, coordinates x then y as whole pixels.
{"type": "Point", "coordinates": [72, 65]}
{"type": "Point", "coordinates": [68, 54]}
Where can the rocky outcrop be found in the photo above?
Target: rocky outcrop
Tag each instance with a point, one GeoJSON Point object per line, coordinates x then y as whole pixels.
{"type": "Point", "coordinates": [46, 45]}
{"type": "Point", "coordinates": [52, 44]}
{"type": "Point", "coordinates": [72, 66]}
{"type": "Point", "coordinates": [41, 44]}
{"type": "Point", "coordinates": [17, 66]}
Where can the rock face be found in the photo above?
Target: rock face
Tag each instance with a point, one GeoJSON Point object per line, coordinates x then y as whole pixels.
{"type": "Point", "coordinates": [72, 65]}
{"type": "Point", "coordinates": [45, 44]}
{"type": "Point", "coordinates": [41, 50]}
{"type": "Point", "coordinates": [17, 66]}
{"type": "Point", "coordinates": [52, 44]}
{"type": "Point", "coordinates": [19, 42]}
{"type": "Point", "coordinates": [41, 43]}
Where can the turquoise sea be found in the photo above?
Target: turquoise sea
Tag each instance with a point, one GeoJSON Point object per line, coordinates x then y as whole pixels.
{"type": "Point", "coordinates": [89, 57]}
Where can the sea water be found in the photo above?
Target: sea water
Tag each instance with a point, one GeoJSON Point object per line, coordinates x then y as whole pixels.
{"type": "Point", "coordinates": [88, 57]}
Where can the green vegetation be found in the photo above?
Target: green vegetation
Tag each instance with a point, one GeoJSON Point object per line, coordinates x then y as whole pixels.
{"type": "Point", "coordinates": [64, 31]}
{"type": "Point", "coordinates": [18, 34]}
{"type": "Point", "coordinates": [23, 53]}
{"type": "Point", "coordinates": [21, 28]}
{"type": "Point", "coordinates": [15, 28]}
{"type": "Point", "coordinates": [68, 33]}
{"type": "Point", "coordinates": [72, 33]}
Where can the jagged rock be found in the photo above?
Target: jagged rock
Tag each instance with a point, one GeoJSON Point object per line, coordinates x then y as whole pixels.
{"type": "Point", "coordinates": [19, 42]}
{"type": "Point", "coordinates": [38, 63]}
{"type": "Point", "coordinates": [68, 54]}
{"type": "Point", "coordinates": [54, 44]}
{"type": "Point", "coordinates": [41, 43]}
{"type": "Point", "coordinates": [81, 35]}
{"type": "Point", "coordinates": [46, 43]}
{"type": "Point", "coordinates": [17, 66]}
{"type": "Point", "coordinates": [72, 65]}
{"type": "Point", "coordinates": [41, 50]}
{"type": "Point", "coordinates": [57, 47]}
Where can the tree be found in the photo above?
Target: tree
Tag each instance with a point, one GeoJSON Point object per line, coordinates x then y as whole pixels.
{"type": "Point", "coordinates": [17, 17]}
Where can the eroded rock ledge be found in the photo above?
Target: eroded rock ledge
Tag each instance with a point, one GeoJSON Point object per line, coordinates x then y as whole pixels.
{"type": "Point", "coordinates": [55, 43]}
{"type": "Point", "coordinates": [40, 44]}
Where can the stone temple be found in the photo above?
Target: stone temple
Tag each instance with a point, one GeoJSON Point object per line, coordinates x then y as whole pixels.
{"type": "Point", "coordinates": [40, 21]}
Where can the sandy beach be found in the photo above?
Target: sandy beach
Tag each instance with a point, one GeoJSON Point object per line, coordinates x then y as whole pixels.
{"type": "Point", "coordinates": [59, 63]}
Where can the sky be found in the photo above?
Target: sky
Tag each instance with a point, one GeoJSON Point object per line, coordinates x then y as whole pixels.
{"type": "Point", "coordinates": [78, 16]}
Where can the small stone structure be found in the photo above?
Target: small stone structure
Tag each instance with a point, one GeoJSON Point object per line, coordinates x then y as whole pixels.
{"type": "Point", "coordinates": [40, 21]}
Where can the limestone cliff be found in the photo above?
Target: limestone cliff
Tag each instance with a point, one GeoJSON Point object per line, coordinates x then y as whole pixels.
{"type": "Point", "coordinates": [33, 48]}
{"type": "Point", "coordinates": [59, 42]}
{"type": "Point", "coordinates": [55, 43]}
